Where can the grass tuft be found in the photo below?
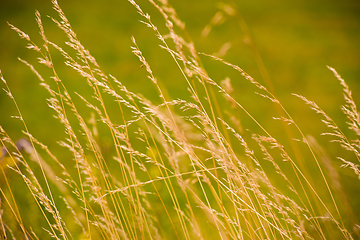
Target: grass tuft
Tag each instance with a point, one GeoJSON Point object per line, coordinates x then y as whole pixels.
{"type": "Point", "coordinates": [197, 167]}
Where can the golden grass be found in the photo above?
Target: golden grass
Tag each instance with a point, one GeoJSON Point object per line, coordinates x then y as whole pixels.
{"type": "Point", "coordinates": [180, 169]}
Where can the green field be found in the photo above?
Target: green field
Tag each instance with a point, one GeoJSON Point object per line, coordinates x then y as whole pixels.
{"type": "Point", "coordinates": [194, 148]}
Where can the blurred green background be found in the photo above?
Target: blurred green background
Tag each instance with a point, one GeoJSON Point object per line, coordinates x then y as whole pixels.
{"type": "Point", "coordinates": [293, 40]}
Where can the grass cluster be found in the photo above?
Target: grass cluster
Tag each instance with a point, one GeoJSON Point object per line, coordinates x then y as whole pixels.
{"type": "Point", "coordinates": [197, 167]}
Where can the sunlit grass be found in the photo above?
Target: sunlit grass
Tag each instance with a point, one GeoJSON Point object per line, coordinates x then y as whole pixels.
{"type": "Point", "coordinates": [197, 167]}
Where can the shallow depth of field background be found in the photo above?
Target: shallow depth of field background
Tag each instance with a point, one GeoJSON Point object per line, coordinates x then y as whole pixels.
{"type": "Point", "coordinates": [295, 41]}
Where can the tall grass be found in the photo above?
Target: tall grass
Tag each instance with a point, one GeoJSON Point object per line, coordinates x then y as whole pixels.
{"type": "Point", "coordinates": [176, 168]}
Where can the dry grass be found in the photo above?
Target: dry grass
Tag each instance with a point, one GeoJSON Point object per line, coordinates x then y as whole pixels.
{"type": "Point", "coordinates": [181, 168]}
